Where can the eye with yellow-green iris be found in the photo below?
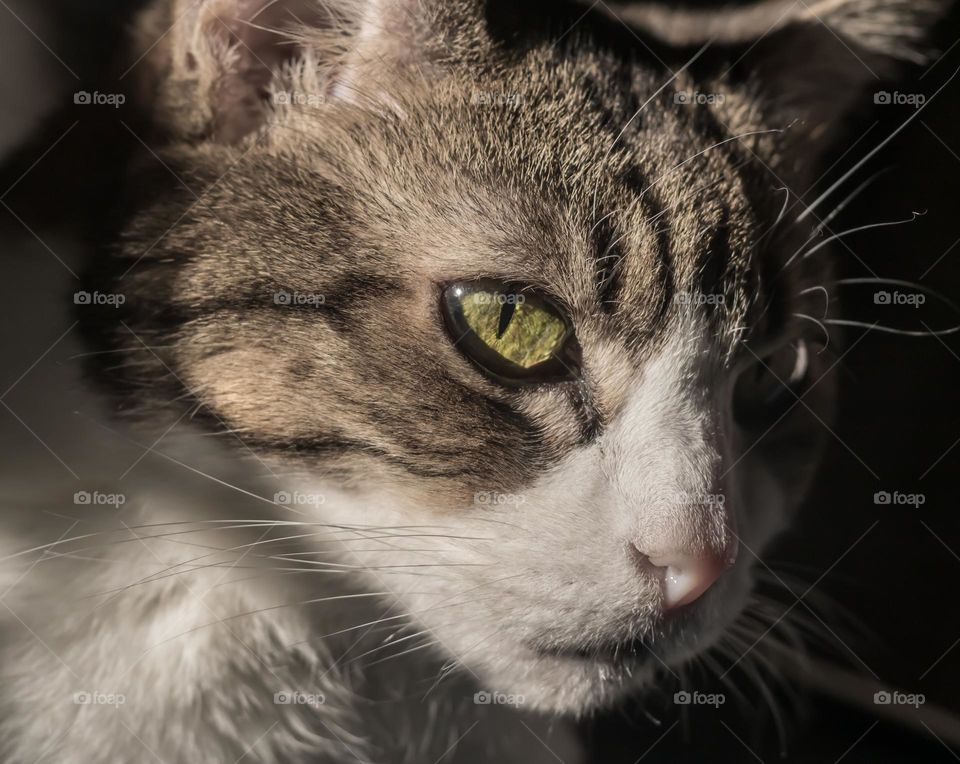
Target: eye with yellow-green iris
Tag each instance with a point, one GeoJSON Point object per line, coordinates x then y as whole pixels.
{"type": "Point", "coordinates": [515, 334]}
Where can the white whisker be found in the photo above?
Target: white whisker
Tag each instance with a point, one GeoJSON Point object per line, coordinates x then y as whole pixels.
{"type": "Point", "coordinates": [879, 147]}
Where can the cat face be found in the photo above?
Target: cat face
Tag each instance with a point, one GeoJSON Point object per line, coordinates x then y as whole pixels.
{"type": "Point", "coordinates": [525, 302]}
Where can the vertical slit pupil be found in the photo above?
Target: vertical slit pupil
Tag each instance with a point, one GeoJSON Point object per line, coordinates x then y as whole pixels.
{"type": "Point", "coordinates": [506, 316]}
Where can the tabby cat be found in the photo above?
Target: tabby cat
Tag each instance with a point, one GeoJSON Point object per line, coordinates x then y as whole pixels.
{"type": "Point", "coordinates": [468, 347]}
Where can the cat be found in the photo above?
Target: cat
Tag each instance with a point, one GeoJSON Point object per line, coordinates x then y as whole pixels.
{"type": "Point", "coordinates": [472, 349]}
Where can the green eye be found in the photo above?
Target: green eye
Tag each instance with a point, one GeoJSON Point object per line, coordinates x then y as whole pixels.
{"type": "Point", "coordinates": [514, 334]}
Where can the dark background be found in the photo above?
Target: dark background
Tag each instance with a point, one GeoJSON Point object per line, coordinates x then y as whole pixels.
{"type": "Point", "coordinates": [894, 570]}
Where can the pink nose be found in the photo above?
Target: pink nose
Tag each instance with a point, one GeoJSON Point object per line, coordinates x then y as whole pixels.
{"type": "Point", "coordinates": [686, 578]}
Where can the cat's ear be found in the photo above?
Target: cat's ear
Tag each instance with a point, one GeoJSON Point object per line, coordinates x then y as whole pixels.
{"type": "Point", "coordinates": [209, 68]}
{"type": "Point", "coordinates": [805, 62]}
{"type": "Point", "coordinates": [415, 37]}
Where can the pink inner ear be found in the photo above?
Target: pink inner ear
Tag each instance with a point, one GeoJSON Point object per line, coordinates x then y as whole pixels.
{"type": "Point", "coordinates": [259, 27]}
{"type": "Point", "coordinates": [256, 31]}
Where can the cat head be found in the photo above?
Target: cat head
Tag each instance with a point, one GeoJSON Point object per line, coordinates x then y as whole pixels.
{"type": "Point", "coordinates": [534, 305]}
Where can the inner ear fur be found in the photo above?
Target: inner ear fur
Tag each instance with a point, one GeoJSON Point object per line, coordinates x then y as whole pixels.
{"type": "Point", "coordinates": [209, 66]}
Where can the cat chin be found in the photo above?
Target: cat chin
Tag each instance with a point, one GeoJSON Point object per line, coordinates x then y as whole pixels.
{"type": "Point", "coordinates": [568, 686]}
{"type": "Point", "coordinates": [577, 685]}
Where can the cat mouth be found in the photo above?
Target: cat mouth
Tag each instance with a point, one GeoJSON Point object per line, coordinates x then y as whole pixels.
{"type": "Point", "coordinates": [634, 652]}
{"type": "Point", "coordinates": [640, 650]}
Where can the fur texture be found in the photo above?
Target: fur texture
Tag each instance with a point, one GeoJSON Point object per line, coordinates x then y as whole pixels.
{"type": "Point", "coordinates": [486, 538]}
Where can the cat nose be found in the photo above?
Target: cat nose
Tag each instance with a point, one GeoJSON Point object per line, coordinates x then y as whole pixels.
{"type": "Point", "coordinates": [686, 578]}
